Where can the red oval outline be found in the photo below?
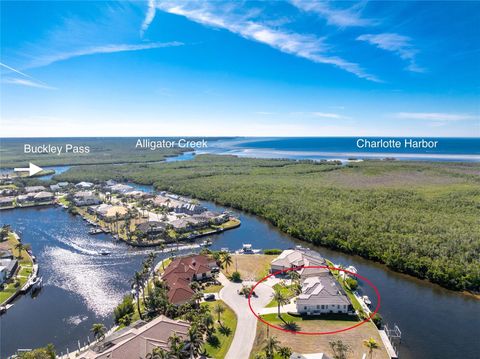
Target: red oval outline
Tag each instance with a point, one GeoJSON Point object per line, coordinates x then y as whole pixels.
{"type": "Point", "coordinates": [316, 333]}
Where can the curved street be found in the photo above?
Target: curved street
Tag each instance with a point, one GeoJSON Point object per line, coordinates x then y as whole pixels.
{"type": "Point", "coordinates": [246, 322]}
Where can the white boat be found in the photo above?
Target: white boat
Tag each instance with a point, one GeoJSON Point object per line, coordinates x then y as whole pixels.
{"type": "Point", "coordinates": [366, 300]}
{"type": "Point", "coordinates": [206, 243]}
{"type": "Point", "coordinates": [247, 249]}
{"type": "Point", "coordinates": [104, 252]}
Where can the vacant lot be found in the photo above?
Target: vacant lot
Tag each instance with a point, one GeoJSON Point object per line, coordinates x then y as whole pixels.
{"type": "Point", "coordinates": [320, 343]}
{"type": "Point", "coordinates": [251, 266]}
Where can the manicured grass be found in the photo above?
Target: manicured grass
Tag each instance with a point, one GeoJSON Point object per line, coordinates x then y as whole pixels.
{"type": "Point", "coordinates": [213, 289]}
{"type": "Point", "coordinates": [229, 319]}
{"type": "Point", "coordinates": [232, 223]}
{"type": "Point", "coordinates": [250, 266]}
{"type": "Point", "coordinates": [287, 292]}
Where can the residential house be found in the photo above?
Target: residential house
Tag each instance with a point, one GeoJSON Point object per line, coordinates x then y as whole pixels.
{"type": "Point", "coordinates": [24, 198]}
{"type": "Point", "coordinates": [189, 208]}
{"type": "Point", "coordinates": [43, 197]}
{"type": "Point", "coordinates": [6, 201]}
{"type": "Point", "coordinates": [309, 356]}
{"type": "Point", "coordinates": [3, 275]}
{"type": "Point", "coordinates": [31, 189]}
{"type": "Point", "coordinates": [121, 188]}
{"type": "Point", "coordinates": [84, 185]}
{"type": "Point", "coordinates": [152, 228]}
{"type": "Point", "coordinates": [108, 212]}
{"type": "Point", "coordinates": [85, 198]}
{"type": "Point", "coordinates": [299, 258]}
{"type": "Point", "coordinates": [322, 295]}
{"type": "Point", "coordinates": [10, 265]}
{"type": "Point", "coordinates": [138, 340]}
{"type": "Point", "coordinates": [182, 271]}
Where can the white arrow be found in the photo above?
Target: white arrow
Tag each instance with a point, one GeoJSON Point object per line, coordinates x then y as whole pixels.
{"type": "Point", "coordinates": [32, 169]}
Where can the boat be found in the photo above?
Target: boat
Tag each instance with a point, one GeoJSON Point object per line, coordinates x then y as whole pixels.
{"type": "Point", "coordinates": [206, 243]}
{"type": "Point", "coordinates": [95, 231]}
{"type": "Point", "coordinates": [225, 250]}
{"type": "Point", "coordinates": [104, 252]}
{"type": "Point", "coordinates": [37, 285]}
{"type": "Point", "coordinates": [366, 300]}
{"type": "Point", "coordinates": [247, 249]}
{"type": "Point", "coordinates": [4, 308]}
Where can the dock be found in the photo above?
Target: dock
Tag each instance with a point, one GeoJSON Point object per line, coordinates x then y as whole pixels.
{"type": "Point", "coordinates": [387, 344]}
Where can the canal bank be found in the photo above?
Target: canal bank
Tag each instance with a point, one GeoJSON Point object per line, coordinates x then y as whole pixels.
{"type": "Point", "coordinates": [426, 313]}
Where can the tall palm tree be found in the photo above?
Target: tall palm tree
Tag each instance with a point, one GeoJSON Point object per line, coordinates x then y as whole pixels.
{"type": "Point", "coordinates": [20, 248]}
{"type": "Point", "coordinates": [176, 346]}
{"type": "Point", "coordinates": [158, 353]}
{"type": "Point", "coordinates": [226, 260]}
{"type": "Point", "coordinates": [280, 298]}
{"type": "Point", "coordinates": [371, 345]}
{"type": "Point", "coordinates": [194, 341]}
{"type": "Point", "coordinates": [219, 309]}
{"type": "Point", "coordinates": [98, 331]}
{"type": "Point", "coordinates": [285, 352]}
{"type": "Point", "coordinates": [271, 346]}
{"type": "Point", "coordinates": [117, 218]}
{"type": "Point", "coordinates": [138, 282]}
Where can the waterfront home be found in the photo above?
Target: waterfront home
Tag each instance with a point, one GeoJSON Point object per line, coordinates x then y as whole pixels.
{"type": "Point", "coordinates": [85, 198]}
{"type": "Point", "coordinates": [214, 217]}
{"type": "Point", "coordinates": [300, 258]}
{"type": "Point", "coordinates": [24, 198]}
{"type": "Point", "coordinates": [152, 228]}
{"type": "Point", "coordinates": [121, 188]}
{"type": "Point", "coordinates": [43, 196]}
{"type": "Point", "coordinates": [108, 212]}
{"type": "Point", "coordinates": [10, 265]}
{"type": "Point", "coordinates": [55, 187]}
{"type": "Point", "coordinates": [84, 185]}
{"type": "Point", "coordinates": [110, 183]}
{"type": "Point", "coordinates": [31, 189]}
{"type": "Point", "coordinates": [182, 271]}
{"type": "Point", "coordinates": [138, 340]}
{"type": "Point", "coordinates": [3, 275]}
{"type": "Point", "coordinates": [322, 295]}
{"type": "Point", "coordinates": [6, 201]}
{"type": "Point", "coordinates": [6, 254]}
{"type": "Point", "coordinates": [189, 208]}
{"type": "Point", "coordinates": [181, 225]}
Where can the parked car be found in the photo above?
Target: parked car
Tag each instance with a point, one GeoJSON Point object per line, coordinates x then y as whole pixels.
{"type": "Point", "coordinates": [209, 296]}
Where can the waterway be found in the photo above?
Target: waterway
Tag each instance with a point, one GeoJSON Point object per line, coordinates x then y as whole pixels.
{"type": "Point", "coordinates": [82, 287]}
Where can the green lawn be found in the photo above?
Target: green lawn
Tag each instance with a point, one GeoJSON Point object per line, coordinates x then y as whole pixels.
{"type": "Point", "coordinates": [286, 290]}
{"type": "Point", "coordinates": [229, 319]}
{"type": "Point", "coordinates": [213, 289]}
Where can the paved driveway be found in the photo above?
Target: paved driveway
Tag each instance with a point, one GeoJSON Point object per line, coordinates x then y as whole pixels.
{"type": "Point", "coordinates": [246, 322]}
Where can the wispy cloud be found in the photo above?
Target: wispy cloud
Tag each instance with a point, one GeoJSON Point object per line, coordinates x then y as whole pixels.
{"type": "Point", "coordinates": [330, 115]}
{"type": "Point", "coordinates": [103, 49]}
{"type": "Point", "coordinates": [148, 17]}
{"type": "Point", "coordinates": [306, 46]}
{"type": "Point", "coordinates": [27, 81]}
{"type": "Point", "coordinates": [398, 44]}
{"type": "Point", "coordinates": [347, 17]}
{"type": "Point", "coordinates": [434, 116]}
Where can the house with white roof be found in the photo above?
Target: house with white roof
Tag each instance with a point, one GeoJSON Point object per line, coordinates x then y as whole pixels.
{"type": "Point", "coordinates": [322, 295]}
{"type": "Point", "coordinates": [300, 258]}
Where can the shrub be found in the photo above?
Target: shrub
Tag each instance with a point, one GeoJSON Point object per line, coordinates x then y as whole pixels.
{"type": "Point", "coordinates": [351, 283]}
{"type": "Point", "coordinates": [272, 251]}
{"type": "Point", "coordinates": [236, 277]}
{"type": "Point", "coordinates": [125, 309]}
{"type": "Point", "coordinates": [378, 320]}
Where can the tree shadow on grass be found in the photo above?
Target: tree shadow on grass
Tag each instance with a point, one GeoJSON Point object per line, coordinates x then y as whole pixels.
{"type": "Point", "coordinates": [223, 329]}
{"type": "Point", "coordinates": [213, 341]}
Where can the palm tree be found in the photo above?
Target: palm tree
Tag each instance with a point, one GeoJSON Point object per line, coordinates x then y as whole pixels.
{"type": "Point", "coordinates": [20, 248]}
{"type": "Point", "coordinates": [193, 341]}
{"type": "Point", "coordinates": [219, 309]}
{"type": "Point", "coordinates": [117, 218]}
{"type": "Point", "coordinates": [281, 299]}
{"type": "Point", "coordinates": [339, 349]}
{"type": "Point", "coordinates": [226, 260]}
{"type": "Point", "coordinates": [98, 331]}
{"type": "Point", "coordinates": [158, 353]}
{"type": "Point", "coordinates": [138, 283]}
{"type": "Point", "coordinates": [371, 344]}
{"type": "Point", "coordinates": [271, 346]}
{"type": "Point", "coordinates": [285, 352]}
{"type": "Point", "coordinates": [176, 346]}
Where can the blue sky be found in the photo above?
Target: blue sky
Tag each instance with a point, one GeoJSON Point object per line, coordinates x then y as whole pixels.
{"type": "Point", "coordinates": [293, 68]}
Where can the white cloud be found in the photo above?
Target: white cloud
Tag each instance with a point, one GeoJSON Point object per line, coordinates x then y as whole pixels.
{"type": "Point", "coordinates": [340, 17]}
{"type": "Point", "coordinates": [148, 17]}
{"type": "Point", "coordinates": [434, 116]}
{"type": "Point", "coordinates": [16, 71]}
{"type": "Point", "coordinates": [398, 44]}
{"type": "Point", "coordinates": [102, 49]}
{"type": "Point", "coordinates": [306, 46]}
{"type": "Point", "coordinates": [26, 82]}
{"type": "Point", "coordinates": [335, 116]}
